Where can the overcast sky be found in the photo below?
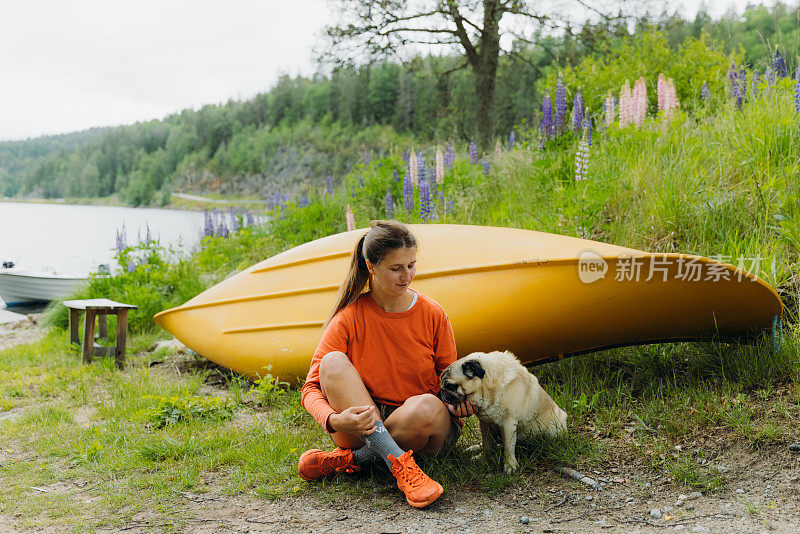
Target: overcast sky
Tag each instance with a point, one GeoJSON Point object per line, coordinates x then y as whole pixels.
{"type": "Point", "coordinates": [67, 65]}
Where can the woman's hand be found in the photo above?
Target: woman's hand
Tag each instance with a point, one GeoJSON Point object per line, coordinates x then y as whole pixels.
{"type": "Point", "coordinates": [357, 420]}
{"type": "Point", "coordinates": [464, 409]}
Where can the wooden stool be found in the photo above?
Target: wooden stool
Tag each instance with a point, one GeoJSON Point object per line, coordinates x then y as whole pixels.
{"type": "Point", "coordinates": [99, 308]}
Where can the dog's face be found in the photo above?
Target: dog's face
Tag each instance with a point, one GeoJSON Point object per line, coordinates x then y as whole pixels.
{"type": "Point", "coordinates": [462, 378]}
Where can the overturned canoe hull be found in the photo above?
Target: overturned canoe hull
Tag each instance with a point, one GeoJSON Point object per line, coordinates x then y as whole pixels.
{"type": "Point", "coordinates": [540, 295]}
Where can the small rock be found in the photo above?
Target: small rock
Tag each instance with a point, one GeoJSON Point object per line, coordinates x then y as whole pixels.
{"type": "Point", "coordinates": [695, 495]}
{"type": "Point", "coordinates": [341, 518]}
{"type": "Point", "coordinates": [588, 497]}
{"type": "Point", "coordinates": [678, 504]}
{"type": "Point", "coordinates": [459, 510]}
{"type": "Point", "coordinates": [679, 527]}
{"type": "Point", "coordinates": [682, 497]}
{"type": "Point", "coordinates": [486, 512]}
{"type": "Point", "coordinates": [629, 499]}
{"type": "Point", "coordinates": [690, 507]}
{"type": "Point", "coordinates": [655, 513]}
{"type": "Point", "coordinates": [739, 490]}
{"type": "Point", "coordinates": [524, 519]}
{"type": "Point", "coordinates": [721, 469]}
{"type": "Point", "coordinates": [699, 528]}
{"type": "Point", "coordinates": [794, 447]}
{"type": "Point", "coordinates": [667, 509]}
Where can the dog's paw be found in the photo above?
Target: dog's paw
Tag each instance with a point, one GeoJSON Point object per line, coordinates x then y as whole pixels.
{"type": "Point", "coordinates": [476, 452]}
{"type": "Point", "coordinates": [510, 465]}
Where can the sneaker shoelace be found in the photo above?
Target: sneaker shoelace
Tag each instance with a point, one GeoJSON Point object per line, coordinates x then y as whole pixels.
{"type": "Point", "coordinates": [335, 462]}
{"type": "Point", "coordinates": [413, 475]}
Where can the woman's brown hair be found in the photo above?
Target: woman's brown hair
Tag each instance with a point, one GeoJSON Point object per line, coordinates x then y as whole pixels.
{"type": "Point", "coordinates": [382, 238]}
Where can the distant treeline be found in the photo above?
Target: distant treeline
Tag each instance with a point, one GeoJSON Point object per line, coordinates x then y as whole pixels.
{"type": "Point", "coordinates": [305, 129]}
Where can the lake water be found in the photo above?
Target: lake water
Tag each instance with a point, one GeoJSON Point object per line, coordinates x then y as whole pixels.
{"type": "Point", "coordinates": [76, 239]}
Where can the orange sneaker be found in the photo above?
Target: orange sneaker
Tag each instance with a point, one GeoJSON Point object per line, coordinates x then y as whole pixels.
{"type": "Point", "coordinates": [314, 463]}
{"type": "Point", "coordinates": [420, 489]}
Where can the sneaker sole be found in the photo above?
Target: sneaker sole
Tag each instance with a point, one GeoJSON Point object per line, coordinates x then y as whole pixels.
{"type": "Point", "coordinates": [423, 504]}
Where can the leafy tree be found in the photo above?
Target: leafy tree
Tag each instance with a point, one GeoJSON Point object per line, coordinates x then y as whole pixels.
{"type": "Point", "coordinates": [382, 27]}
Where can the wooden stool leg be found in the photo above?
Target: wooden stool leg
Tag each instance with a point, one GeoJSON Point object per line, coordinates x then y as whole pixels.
{"type": "Point", "coordinates": [88, 337]}
{"type": "Point", "coordinates": [102, 326]}
{"type": "Point", "coordinates": [122, 332]}
{"type": "Point", "coordinates": [74, 319]}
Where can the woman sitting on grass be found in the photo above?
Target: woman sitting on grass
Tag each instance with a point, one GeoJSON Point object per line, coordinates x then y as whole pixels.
{"type": "Point", "coordinates": [374, 378]}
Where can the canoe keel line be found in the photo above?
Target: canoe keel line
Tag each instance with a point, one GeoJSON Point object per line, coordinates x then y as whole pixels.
{"type": "Point", "coordinates": [542, 296]}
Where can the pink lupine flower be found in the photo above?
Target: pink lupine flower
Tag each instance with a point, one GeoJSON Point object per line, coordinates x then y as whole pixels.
{"type": "Point", "coordinates": [671, 102]}
{"type": "Point", "coordinates": [625, 105]}
{"type": "Point", "coordinates": [439, 166]}
{"type": "Point", "coordinates": [661, 92]}
{"type": "Point", "coordinates": [639, 101]}
{"type": "Point", "coordinates": [608, 109]}
{"type": "Point", "coordinates": [351, 220]}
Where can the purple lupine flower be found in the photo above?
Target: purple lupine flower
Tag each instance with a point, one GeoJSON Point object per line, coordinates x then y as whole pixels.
{"type": "Point", "coordinates": [389, 204]}
{"type": "Point", "coordinates": [473, 153]}
{"type": "Point", "coordinates": [485, 165]}
{"type": "Point", "coordinates": [449, 205]}
{"type": "Point", "coordinates": [121, 239]}
{"type": "Point", "coordinates": [734, 79]}
{"type": "Point", "coordinates": [778, 64]}
{"type": "Point", "coordinates": [756, 82]}
{"type": "Point", "coordinates": [406, 156]}
{"type": "Point", "coordinates": [234, 220]}
{"type": "Point", "coordinates": [361, 180]}
{"type": "Point", "coordinates": [424, 201]}
{"type": "Point", "coordinates": [797, 96]}
{"type": "Point", "coordinates": [395, 175]}
{"type": "Point", "coordinates": [449, 155]}
{"type": "Point", "coordinates": [329, 184]}
{"type": "Point", "coordinates": [547, 116]}
{"type": "Point", "coordinates": [131, 266]}
{"type": "Point", "coordinates": [742, 94]}
{"type": "Point", "coordinates": [561, 107]}
{"type": "Point", "coordinates": [587, 126]}
{"type": "Point", "coordinates": [222, 229]}
{"type": "Point", "coordinates": [251, 220]}
{"type": "Point", "coordinates": [303, 199]}
{"type": "Point", "coordinates": [420, 163]}
{"type": "Point", "coordinates": [512, 139]}
{"type": "Point", "coordinates": [208, 230]}
{"type": "Point", "coordinates": [582, 160]}
{"type": "Point", "coordinates": [408, 193]}
{"type": "Point", "coordinates": [705, 92]}
{"type": "Point", "coordinates": [577, 112]}
{"type": "Point", "coordinates": [365, 151]}
{"type": "Point", "coordinates": [769, 74]}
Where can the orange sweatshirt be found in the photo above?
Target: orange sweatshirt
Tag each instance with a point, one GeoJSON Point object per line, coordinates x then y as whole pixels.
{"type": "Point", "coordinates": [397, 355]}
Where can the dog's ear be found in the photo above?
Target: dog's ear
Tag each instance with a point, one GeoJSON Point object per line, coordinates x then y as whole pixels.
{"type": "Point", "coordinates": [472, 368]}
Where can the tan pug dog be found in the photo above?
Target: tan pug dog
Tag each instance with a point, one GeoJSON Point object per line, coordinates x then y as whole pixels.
{"type": "Point", "coordinates": [507, 396]}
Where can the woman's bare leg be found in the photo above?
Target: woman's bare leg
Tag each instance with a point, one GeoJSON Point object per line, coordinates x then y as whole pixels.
{"type": "Point", "coordinates": [421, 424]}
{"type": "Point", "coordinates": [343, 387]}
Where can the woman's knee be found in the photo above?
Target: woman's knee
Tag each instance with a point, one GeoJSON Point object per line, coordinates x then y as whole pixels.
{"type": "Point", "coordinates": [429, 412]}
{"type": "Point", "coordinates": [334, 365]}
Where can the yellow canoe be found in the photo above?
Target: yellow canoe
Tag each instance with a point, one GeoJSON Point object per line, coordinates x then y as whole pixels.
{"type": "Point", "coordinates": [540, 295]}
